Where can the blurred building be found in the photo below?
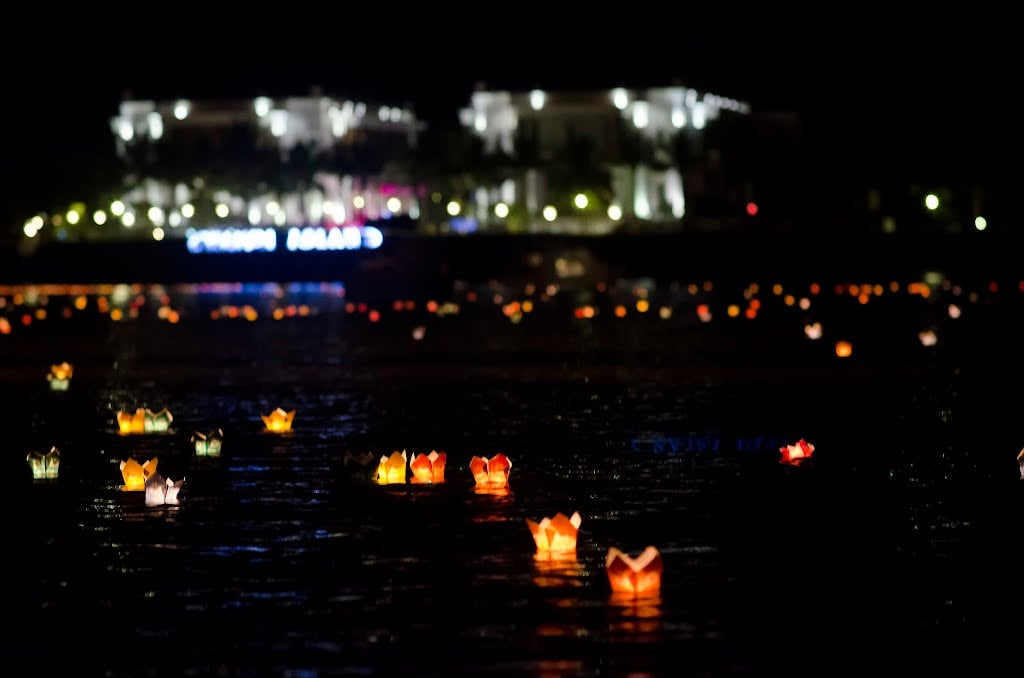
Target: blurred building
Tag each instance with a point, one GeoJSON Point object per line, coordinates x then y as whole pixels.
{"type": "Point", "coordinates": [586, 162]}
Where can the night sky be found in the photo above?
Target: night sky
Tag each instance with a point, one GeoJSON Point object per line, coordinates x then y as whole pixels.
{"type": "Point", "coordinates": [929, 99]}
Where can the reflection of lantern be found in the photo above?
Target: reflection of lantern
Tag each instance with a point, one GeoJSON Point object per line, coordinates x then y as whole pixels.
{"type": "Point", "coordinates": [637, 576]}
{"type": "Point", "coordinates": [555, 534]}
{"type": "Point", "coordinates": [132, 423]}
{"type": "Point", "coordinates": [278, 421]}
{"type": "Point", "coordinates": [796, 454]}
{"type": "Point", "coordinates": [160, 491]}
{"type": "Point", "coordinates": [208, 444]}
{"type": "Point", "coordinates": [557, 568]}
{"type": "Point", "coordinates": [428, 468]}
{"type": "Point", "coordinates": [135, 474]}
{"type": "Point", "coordinates": [44, 466]}
{"type": "Point", "coordinates": [392, 469]}
{"type": "Point", "coordinates": [157, 422]}
{"type": "Point", "coordinates": [60, 376]}
{"type": "Point", "coordinates": [491, 473]}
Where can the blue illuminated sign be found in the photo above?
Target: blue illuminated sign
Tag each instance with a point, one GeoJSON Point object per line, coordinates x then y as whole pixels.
{"type": "Point", "coordinates": [304, 239]}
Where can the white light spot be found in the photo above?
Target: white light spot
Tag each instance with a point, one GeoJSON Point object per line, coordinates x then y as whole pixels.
{"type": "Point", "coordinates": [980, 223]}
{"type": "Point", "coordinates": [394, 204]}
{"type": "Point", "coordinates": [156, 215]}
{"type": "Point", "coordinates": [180, 109]}
{"type": "Point", "coordinates": [453, 208]}
{"type": "Point", "coordinates": [537, 98]}
{"type": "Point", "coordinates": [188, 211]}
{"type": "Point", "coordinates": [128, 219]}
{"type": "Point", "coordinates": [580, 201]}
{"type": "Point", "coordinates": [501, 210]}
{"type": "Point", "coordinates": [158, 234]}
{"type": "Point", "coordinates": [358, 202]}
{"type": "Point", "coordinates": [614, 212]}
{"type": "Point", "coordinates": [72, 217]}
{"type": "Point", "coordinates": [117, 208]}
{"type": "Point", "coordinates": [273, 207]}
{"type": "Point", "coordinates": [931, 201]}
{"type": "Point", "coordinates": [620, 98]}
{"type": "Point", "coordinates": [100, 217]}
{"type": "Point", "coordinates": [550, 213]}
{"type": "Point", "coordinates": [222, 210]}
{"type": "Point", "coordinates": [262, 106]}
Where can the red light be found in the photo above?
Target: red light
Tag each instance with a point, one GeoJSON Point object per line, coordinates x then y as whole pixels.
{"type": "Point", "coordinates": [752, 209]}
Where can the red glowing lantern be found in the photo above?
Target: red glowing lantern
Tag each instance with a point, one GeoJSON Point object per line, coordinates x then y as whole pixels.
{"type": "Point", "coordinates": [555, 534]}
{"type": "Point", "coordinates": [797, 454]}
{"type": "Point", "coordinates": [428, 468]}
{"type": "Point", "coordinates": [636, 576]}
{"type": "Point", "coordinates": [491, 473]}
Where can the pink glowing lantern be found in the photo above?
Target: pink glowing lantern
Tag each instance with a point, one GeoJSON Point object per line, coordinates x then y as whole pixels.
{"type": "Point", "coordinates": [278, 421]}
{"type": "Point", "coordinates": [491, 473]}
{"type": "Point", "coordinates": [798, 453]}
{"type": "Point", "coordinates": [391, 470]}
{"type": "Point", "coordinates": [636, 576]}
{"type": "Point", "coordinates": [136, 474]}
{"type": "Point", "coordinates": [556, 534]}
{"type": "Point", "coordinates": [428, 468]}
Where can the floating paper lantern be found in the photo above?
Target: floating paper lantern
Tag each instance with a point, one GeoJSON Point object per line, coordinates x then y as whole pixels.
{"type": "Point", "coordinates": [60, 376]}
{"type": "Point", "coordinates": [44, 466]}
{"type": "Point", "coordinates": [208, 444]}
{"type": "Point", "coordinates": [157, 422]}
{"type": "Point", "coordinates": [136, 474]}
{"type": "Point", "coordinates": [132, 423]}
{"type": "Point", "coordinates": [491, 473]}
{"type": "Point", "coordinates": [391, 470]}
{"type": "Point", "coordinates": [555, 534]}
{"type": "Point", "coordinates": [361, 467]}
{"type": "Point", "coordinates": [279, 421]}
{"type": "Point", "coordinates": [160, 491]}
{"type": "Point", "coordinates": [797, 454]}
{"type": "Point", "coordinates": [428, 468]}
{"type": "Point", "coordinates": [636, 576]}
{"type": "Point", "coordinates": [844, 349]}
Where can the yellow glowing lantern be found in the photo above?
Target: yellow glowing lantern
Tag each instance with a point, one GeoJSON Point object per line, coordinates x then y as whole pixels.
{"type": "Point", "coordinates": [60, 376]}
{"type": "Point", "coordinates": [157, 422]}
{"type": "Point", "coordinates": [491, 473]}
{"type": "Point", "coordinates": [636, 576]}
{"type": "Point", "coordinates": [136, 474]}
{"type": "Point", "coordinates": [44, 466]}
{"type": "Point", "coordinates": [279, 421]}
{"type": "Point", "coordinates": [160, 491]}
{"type": "Point", "coordinates": [132, 423]}
{"type": "Point", "coordinates": [797, 454]}
{"type": "Point", "coordinates": [208, 444]}
{"type": "Point", "coordinates": [391, 470]}
{"type": "Point", "coordinates": [428, 468]}
{"type": "Point", "coordinates": [555, 534]}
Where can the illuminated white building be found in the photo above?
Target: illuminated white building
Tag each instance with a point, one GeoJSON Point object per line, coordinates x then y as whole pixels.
{"type": "Point", "coordinates": [630, 133]}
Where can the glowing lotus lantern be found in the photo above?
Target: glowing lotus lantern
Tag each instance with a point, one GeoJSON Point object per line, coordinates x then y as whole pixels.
{"type": "Point", "coordinates": [132, 423]}
{"type": "Point", "coordinates": [557, 534]}
{"type": "Point", "coordinates": [636, 576]}
{"type": "Point", "coordinates": [208, 444]}
{"type": "Point", "coordinates": [157, 422]}
{"type": "Point", "coordinates": [278, 421]}
{"type": "Point", "coordinates": [60, 376]}
{"type": "Point", "coordinates": [797, 454]}
{"type": "Point", "coordinates": [136, 474]}
{"type": "Point", "coordinates": [428, 468]}
{"type": "Point", "coordinates": [491, 473]}
{"type": "Point", "coordinates": [391, 470]}
{"type": "Point", "coordinates": [44, 466]}
{"type": "Point", "coordinates": [160, 491]}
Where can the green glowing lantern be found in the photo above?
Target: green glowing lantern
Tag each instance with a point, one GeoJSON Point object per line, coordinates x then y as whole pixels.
{"type": "Point", "coordinates": [157, 422]}
{"type": "Point", "coordinates": [208, 444]}
{"type": "Point", "coordinates": [44, 466]}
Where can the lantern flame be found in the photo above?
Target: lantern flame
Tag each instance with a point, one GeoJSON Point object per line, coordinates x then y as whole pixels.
{"type": "Point", "coordinates": [428, 468]}
{"type": "Point", "coordinates": [278, 421]}
{"type": "Point", "coordinates": [44, 466]}
{"type": "Point", "coordinates": [636, 576]}
{"type": "Point", "coordinates": [797, 454]}
{"type": "Point", "coordinates": [136, 474]}
{"type": "Point", "coordinates": [208, 444]}
{"type": "Point", "coordinates": [555, 534]}
{"type": "Point", "coordinates": [160, 491]}
{"type": "Point", "coordinates": [391, 470]}
{"type": "Point", "coordinates": [491, 473]}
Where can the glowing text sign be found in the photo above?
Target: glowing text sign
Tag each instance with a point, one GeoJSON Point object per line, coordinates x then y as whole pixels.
{"type": "Point", "coordinates": [305, 239]}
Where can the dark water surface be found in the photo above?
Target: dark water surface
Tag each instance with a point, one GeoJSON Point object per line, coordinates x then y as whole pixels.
{"type": "Point", "coordinates": [895, 553]}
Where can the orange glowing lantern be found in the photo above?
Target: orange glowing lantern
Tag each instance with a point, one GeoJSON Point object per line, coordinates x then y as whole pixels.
{"type": "Point", "coordinates": [491, 473]}
{"type": "Point", "coordinates": [638, 576]}
{"type": "Point", "coordinates": [391, 470]}
{"type": "Point", "coordinates": [60, 376]}
{"type": "Point", "coordinates": [136, 474]}
{"type": "Point", "coordinates": [132, 423]}
{"type": "Point", "coordinates": [797, 454]}
{"type": "Point", "coordinates": [844, 349]}
{"type": "Point", "coordinates": [278, 421]}
{"type": "Point", "coordinates": [428, 468]}
{"type": "Point", "coordinates": [556, 534]}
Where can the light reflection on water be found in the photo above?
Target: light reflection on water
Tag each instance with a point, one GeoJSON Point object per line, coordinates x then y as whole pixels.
{"type": "Point", "coordinates": [278, 560]}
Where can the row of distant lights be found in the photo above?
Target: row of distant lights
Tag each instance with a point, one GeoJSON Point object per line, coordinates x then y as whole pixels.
{"type": "Point", "coordinates": [550, 212]}
{"type": "Point", "coordinates": [931, 201]}
{"type": "Point", "coordinates": [157, 216]}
